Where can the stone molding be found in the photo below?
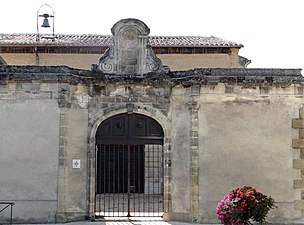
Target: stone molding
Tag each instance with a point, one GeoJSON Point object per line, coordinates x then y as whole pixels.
{"type": "Point", "coordinates": [238, 76]}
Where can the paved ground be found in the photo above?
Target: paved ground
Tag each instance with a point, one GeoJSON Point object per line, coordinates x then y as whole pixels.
{"type": "Point", "coordinates": [127, 223]}
{"type": "Point", "coordinates": [124, 223]}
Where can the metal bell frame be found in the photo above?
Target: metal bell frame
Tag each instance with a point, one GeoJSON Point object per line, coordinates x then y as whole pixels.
{"type": "Point", "coordinates": [45, 23]}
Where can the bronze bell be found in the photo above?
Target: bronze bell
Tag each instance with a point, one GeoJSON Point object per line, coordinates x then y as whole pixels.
{"type": "Point", "coordinates": [45, 23]}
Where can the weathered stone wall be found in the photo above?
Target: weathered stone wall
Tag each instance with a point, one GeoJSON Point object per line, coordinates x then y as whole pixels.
{"type": "Point", "coordinates": [223, 128]}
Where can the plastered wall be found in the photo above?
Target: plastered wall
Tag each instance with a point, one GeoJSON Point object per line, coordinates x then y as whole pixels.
{"type": "Point", "coordinates": [176, 62]}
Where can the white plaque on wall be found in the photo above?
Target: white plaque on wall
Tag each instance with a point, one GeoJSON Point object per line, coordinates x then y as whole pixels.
{"type": "Point", "coordinates": [76, 163]}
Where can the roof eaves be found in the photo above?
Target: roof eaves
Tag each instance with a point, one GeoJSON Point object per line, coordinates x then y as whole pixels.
{"type": "Point", "coordinates": [85, 40]}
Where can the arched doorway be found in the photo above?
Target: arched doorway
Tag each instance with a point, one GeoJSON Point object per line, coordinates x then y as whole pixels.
{"type": "Point", "coordinates": [129, 167]}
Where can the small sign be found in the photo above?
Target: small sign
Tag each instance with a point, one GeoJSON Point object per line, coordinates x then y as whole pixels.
{"type": "Point", "coordinates": [76, 163]}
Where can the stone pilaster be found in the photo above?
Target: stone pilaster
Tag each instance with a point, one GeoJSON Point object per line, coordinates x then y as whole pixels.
{"type": "Point", "coordinates": [298, 123]}
{"type": "Point", "coordinates": [91, 177]}
{"type": "Point", "coordinates": [167, 182]}
{"type": "Point", "coordinates": [194, 154]}
{"type": "Point", "coordinates": [62, 164]}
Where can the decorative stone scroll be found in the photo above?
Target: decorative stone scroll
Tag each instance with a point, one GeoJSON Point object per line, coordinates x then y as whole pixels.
{"type": "Point", "coordinates": [130, 52]}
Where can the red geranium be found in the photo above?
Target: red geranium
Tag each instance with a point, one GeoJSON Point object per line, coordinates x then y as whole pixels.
{"type": "Point", "coordinates": [243, 205]}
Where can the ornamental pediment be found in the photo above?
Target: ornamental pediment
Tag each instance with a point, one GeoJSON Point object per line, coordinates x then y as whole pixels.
{"type": "Point", "coordinates": [131, 52]}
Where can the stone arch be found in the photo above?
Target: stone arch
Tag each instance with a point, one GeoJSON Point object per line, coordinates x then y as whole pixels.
{"type": "Point", "coordinates": [106, 113]}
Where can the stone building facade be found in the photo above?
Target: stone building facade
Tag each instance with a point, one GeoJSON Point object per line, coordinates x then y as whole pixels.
{"type": "Point", "coordinates": [215, 129]}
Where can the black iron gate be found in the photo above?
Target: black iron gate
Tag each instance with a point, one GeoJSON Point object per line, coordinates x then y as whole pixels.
{"type": "Point", "coordinates": [129, 167]}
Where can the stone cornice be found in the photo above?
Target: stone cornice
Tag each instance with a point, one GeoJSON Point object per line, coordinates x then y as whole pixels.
{"type": "Point", "coordinates": [204, 76]}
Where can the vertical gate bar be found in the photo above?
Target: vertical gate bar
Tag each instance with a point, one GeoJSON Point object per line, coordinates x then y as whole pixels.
{"type": "Point", "coordinates": [162, 168]}
{"type": "Point", "coordinates": [98, 169]}
{"type": "Point", "coordinates": [133, 195]}
{"type": "Point", "coordinates": [147, 183]}
{"type": "Point", "coordinates": [99, 174]}
{"type": "Point", "coordinates": [152, 181]}
{"type": "Point", "coordinates": [149, 174]}
{"type": "Point", "coordinates": [144, 179]}
{"type": "Point", "coordinates": [153, 171]}
{"type": "Point", "coordinates": [109, 180]}
{"type": "Point", "coordinates": [105, 182]}
{"type": "Point", "coordinates": [113, 176]}
{"type": "Point", "coordinates": [104, 179]}
{"type": "Point", "coordinates": [134, 177]}
{"type": "Point", "coordinates": [159, 179]}
{"type": "Point", "coordinates": [118, 177]}
{"type": "Point", "coordinates": [129, 181]}
{"type": "Point", "coordinates": [131, 178]}
{"type": "Point", "coordinates": [139, 180]}
{"type": "Point", "coordinates": [97, 180]}
{"type": "Point", "coordinates": [98, 195]}
{"type": "Point", "coordinates": [159, 187]}
{"type": "Point", "coordinates": [146, 210]}
{"type": "Point", "coordinates": [123, 177]}
{"type": "Point", "coordinates": [142, 184]}
{"type": "Point", "coordinates": [126, 178]}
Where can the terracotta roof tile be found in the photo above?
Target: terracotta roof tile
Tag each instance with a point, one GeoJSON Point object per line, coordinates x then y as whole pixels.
{"type": "Point", "coordinates": [190, 41]}
{"type": "Point", "coordinates": [106, 40]}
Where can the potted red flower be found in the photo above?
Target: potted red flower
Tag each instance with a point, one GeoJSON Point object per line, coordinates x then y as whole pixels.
{"type": "Point", "coordinates": [243, 205]}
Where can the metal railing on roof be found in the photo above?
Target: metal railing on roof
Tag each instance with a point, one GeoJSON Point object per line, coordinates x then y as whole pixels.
{"type": "Point", "coordinates": [4, 206]}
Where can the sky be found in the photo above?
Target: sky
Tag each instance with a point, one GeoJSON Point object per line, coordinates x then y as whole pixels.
{"type": "Point", "coordinates": [272, 31]}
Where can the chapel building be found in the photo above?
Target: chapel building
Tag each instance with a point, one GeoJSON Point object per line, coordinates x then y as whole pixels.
{"type": "Point", "coordinates": [129, 125]}
{"type": "Point", "coordinates": [81, 51]}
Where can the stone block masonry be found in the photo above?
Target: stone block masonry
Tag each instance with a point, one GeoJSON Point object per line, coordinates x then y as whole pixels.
{"type": "Point", "coordinates": [298, 144]}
